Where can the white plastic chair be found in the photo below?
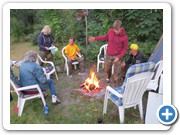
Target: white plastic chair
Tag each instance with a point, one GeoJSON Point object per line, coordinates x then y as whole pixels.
{"type": "Point", "coordinates": [26, 93]}
{"type": "Point", "coordinates": [101, 60]}
{"type": "Point", "coordinates": [66, 65]}
{"type": "Point", "coordinates": [52, 64]}
{"type": "Point", "coordinates": [154, 83]}
{"type": "Point", "coordinates": [160, 91]}
{"type": "Point", "coordinates": [131, 92]}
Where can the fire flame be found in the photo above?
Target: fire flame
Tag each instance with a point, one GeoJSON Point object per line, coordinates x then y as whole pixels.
{"type": "Point", "coordinates": [92, 82]}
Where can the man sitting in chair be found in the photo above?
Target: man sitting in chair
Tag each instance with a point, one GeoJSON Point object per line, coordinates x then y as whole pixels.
{"type": "Point", "coordinates": [71, 51]}
{"type": "Point", "coordinates": [31, 73]}
{"type": "Point", "coordinates": [136, 57]}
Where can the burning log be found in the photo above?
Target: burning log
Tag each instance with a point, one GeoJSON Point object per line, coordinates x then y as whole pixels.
{"type": "Point", "coordinates": [92, 87]}
{"type": "Point", "coordinates": [91, 84]}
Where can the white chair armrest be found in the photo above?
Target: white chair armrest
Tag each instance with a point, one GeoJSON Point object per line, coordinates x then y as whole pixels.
{"type": "Point", "coordinates": [36, 86]}
{"type": "Point", "coordinates": [114, 92]}
{"type": "Point", "coordinates": [48, 62]}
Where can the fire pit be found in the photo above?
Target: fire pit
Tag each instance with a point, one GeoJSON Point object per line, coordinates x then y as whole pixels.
{"type": "Point", "coordinates": [91, 86]}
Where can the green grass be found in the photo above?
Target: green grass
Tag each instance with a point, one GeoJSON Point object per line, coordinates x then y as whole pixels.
{"type": "Point", "coordinates": [17, 50]}
{"type": "Point", "coordinates": [75, 108]}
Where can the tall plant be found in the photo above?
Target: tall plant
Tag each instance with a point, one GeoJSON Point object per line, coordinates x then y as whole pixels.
{"type": "Point", "coordinates": [144, 25]}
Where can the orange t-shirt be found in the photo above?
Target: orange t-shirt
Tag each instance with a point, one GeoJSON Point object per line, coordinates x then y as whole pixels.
{"type": "Point", "coordinates": [71, 50]}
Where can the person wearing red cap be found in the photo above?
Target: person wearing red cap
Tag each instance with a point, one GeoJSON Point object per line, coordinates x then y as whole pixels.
{"type": "Point", "coordinates": [116, 49]}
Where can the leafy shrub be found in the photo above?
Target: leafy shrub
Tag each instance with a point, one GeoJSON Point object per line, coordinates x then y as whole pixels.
{"type": "Point", "coordinates": [16, 30]}
{"type": "Point", "coordinates": [91, 51]}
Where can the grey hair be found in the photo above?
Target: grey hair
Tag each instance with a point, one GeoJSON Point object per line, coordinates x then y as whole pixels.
{"type": "Point", "coordinates": [117, 24]}
{"type": "Point", "coordinates": [30, 56]}
{"type": "Point", "coordinates": [46, 29]}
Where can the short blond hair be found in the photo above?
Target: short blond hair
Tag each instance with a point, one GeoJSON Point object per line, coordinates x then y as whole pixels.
{"type": "Point", "coordinates": [46, 29]}
{"type": "Point", "coordinates": [117, 24]}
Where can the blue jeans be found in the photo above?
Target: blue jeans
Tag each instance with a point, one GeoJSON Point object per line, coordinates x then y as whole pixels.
{"type": "Point", "coordinates": [51, 86]}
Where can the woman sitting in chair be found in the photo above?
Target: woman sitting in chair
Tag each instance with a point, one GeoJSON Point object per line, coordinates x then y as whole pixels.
{"type": "Point", "coordinates": [31, 73]}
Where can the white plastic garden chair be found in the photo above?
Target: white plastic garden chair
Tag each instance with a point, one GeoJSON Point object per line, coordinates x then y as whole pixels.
{"type": "Point", "coordinates": [101, 60]}
{"type": "Point", "coordinates": [25, 93]}
{"type": "Point", "coordinates": [48, 73]}
{"type": "Point", "coordinates": [66, 65]}
{"type": "Point", "coordinates": [131, 92]}
{"type": "Point", "coordinates": [160, 91]}
{"type": "Point", "coordinates": [154, 83]}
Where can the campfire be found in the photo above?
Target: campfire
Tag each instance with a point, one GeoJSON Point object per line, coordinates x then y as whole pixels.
{"type": "Point", "coordinates": [91, 84]}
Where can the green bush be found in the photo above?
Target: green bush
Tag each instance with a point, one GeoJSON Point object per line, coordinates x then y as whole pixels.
{"type": "Point", "coordinates": [16, 30]}
{"type": "Point", "coordinates": [91, 51]}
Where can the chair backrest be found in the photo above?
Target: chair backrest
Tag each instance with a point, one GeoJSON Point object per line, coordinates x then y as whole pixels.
{"type": "Point", "coordinates": [135, 88]}
{"type": "Point", "coordinates": [158, 70]}
{"type": "Point", "coordinates": [39, 58]}
{"type": "Point", "coordinates": [14, 80]}
{"type": "Point", "coordinates": [103, 48]}
{"type": "Point", "coordinates": [63, 54]}
{"type": "Point", "coordinates": [137, 78]}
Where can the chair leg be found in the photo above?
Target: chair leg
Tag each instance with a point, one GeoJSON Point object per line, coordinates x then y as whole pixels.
{"type": "Point", "coordinates": [141, 109]}
{"type": "Point", "coordinates": [67, 70]}
{"type": "Point", "coordinates": [97, 67]}
{"type": "Point", "coordinates": [103, 65]}
{"type": "Point", "coordinates": [21, 106]}
{"type": "Point", "coordinates": [105, 102]}
{"type": "Point", "coordinates": [43, 100]}
{"type": "Point", "coordinates": [112, 69]}
{"type": "Point", "coordinates": [56, 75]}
{"type": "Point", "coordinates": [75, 67]}
{"type": "Point", "coordinates": [121, 114]}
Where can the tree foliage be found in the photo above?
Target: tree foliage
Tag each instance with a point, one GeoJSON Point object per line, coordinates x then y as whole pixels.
{"type": "Point", "coordinates": [143, 26]}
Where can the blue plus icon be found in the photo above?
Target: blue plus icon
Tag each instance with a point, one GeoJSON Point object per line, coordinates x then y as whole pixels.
{"type": "Point", "coordinates": [167, 114]}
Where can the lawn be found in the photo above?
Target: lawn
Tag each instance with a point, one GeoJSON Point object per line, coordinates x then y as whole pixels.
{"type": "Point", "coordinates": [75, 107]}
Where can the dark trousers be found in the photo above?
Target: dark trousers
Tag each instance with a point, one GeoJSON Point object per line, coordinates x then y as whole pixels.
{"type": "Point", "coordinates": [47, 56]}
{"type": "Point", "coordinates": [109, 61]}
{"type": "Point", "coordinates": [81, 64]}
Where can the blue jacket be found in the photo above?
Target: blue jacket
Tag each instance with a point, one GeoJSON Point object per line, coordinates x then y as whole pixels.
{"type": "Point", "coordinates": [44, 41]}
{"type": "Point", "coordinates": [31, 73]}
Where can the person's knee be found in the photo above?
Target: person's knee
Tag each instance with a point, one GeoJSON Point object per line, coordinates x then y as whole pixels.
{"type": "Point", "coordinates": [69, 61]}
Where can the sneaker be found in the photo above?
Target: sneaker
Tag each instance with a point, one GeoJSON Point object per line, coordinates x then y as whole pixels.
{"type": "Point", "coordinates": [55, 100]}
{"type": "Point", "coordinates": [81, 73]}
{"type": "Point", "coordinates": [107, 80]}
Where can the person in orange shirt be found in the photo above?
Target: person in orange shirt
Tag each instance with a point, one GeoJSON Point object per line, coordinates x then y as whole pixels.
{"type": "Point", "coordinates": [71, 51]}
